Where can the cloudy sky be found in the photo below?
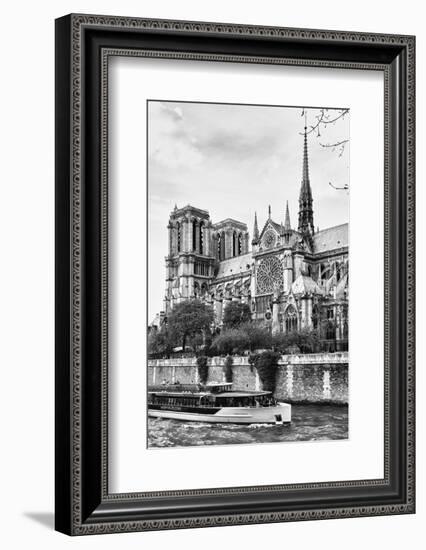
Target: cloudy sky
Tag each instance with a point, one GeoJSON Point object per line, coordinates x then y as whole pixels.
{"type": "Point", "coordinates": [233, 160]}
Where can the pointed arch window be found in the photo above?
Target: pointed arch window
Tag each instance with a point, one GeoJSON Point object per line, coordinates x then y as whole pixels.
{"type": "Point", "coordinates": [201, 237]}
{"type": "Point", "coordinates": [222, 246]}
{"type": "Point", "coordinates": [179, 236]}
{"type": "Point", "coordinates": [330, 333]}
{"type": "Point", "coordinates": [290, 319]}
{"type": "Point", "coordinates": [315, 317]}
{"type": "Point", "coordinates": [219, 246]}
{"type": "Point", "coordinates": [194, 235]}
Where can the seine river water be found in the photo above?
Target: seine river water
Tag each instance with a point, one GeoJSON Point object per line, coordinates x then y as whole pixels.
{"type": "Point", "coordinates": [309, 422]}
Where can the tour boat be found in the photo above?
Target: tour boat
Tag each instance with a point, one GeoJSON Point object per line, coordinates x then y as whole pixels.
{"type": "Point", "coordinates": [216, 403]}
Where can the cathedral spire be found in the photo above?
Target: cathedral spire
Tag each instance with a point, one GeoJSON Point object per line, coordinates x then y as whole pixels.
{"type": "Point", "coordinates": [255, 230]}
{"type": "Point", "coordinates": [269, 212]}
{"type": "Point", "coordinates": [305, 159]}
{"type": "Point", "coordinates": [306, 214]}
{"type": "Point", "coordinates": [287, 224]}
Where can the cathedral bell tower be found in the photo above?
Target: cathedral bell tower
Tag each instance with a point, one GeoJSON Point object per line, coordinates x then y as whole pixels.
{"type": "Point", "coordinates": [306, 213]}
{"type": "Point", "coordinates": [190, 260]}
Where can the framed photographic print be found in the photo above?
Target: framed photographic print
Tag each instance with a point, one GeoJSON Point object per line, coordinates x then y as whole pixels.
{"type": "Point", "coordinates": [234, 274]}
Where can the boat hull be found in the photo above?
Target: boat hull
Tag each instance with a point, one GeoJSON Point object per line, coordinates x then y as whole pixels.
{"type": "Point", "coordinates": [279, 414]}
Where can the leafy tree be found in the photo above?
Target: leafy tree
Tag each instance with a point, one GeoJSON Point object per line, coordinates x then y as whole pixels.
{"type": "Point", "coordinates": [280, 342]}
{"type": "Point", "coordinates": [228, 368]}
{"type": "Point", "coordinates": [259, 337]}
{"type": "Point", "coordinates": [160, 342]}
{"type": "Point", "coordinates": [235, 314]}
{"type": "Point", "coordinates": [230, 341]}
{"type": "Point", "coordinates": [203, 368]}
{"type": "Point", "coordinates": [208, 339]}
{"type": "Point", "coordinates": [308, 340]}
{"type": "Point", "coordinates": [197, 342]}
{"type": "Point", "coordinates": [266, 364]}
{"type": "Point", "coordinates": [188, 319]}
{"type": "Point", "coordinates": [305, 340]}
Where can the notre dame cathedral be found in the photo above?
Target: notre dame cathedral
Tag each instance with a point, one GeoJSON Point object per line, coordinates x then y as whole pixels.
{"type": "Point", "coordinates": [291, 278]}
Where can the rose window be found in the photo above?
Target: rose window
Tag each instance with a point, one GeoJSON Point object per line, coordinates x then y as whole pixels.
{"type": "Point", "coordinates": [269, 239]}
{"type": "Point", "coordinates": [269, 276]}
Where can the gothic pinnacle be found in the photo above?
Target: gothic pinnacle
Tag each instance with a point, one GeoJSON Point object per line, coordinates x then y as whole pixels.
{"type": "Point", "coordinates": [287, 224]}
{"type": "Point", "coordinates": [255, 230]}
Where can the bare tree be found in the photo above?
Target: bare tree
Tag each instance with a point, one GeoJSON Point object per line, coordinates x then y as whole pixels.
{"type": "Point", "coordinates": [321, 120]}
{"type": "Point", "coordinates": [343, 188]}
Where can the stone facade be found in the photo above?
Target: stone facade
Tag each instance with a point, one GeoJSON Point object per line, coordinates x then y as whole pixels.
{"type": "Point", "coordinates": [309, 378]}
{"type": "Point", "coordinates": [291, 278]}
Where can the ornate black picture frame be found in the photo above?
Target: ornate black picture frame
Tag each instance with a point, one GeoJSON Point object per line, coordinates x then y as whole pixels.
{"type": "Point", "coordinates": [83, 45]}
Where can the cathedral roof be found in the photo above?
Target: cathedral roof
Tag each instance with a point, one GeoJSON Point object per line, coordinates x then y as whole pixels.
{"type": "Point", "coordinates": [234, 266]}
{"type": "Point", "coordinates": [177, 212]}
{"type": "Point", "coordinates": [230, 222]}
{"type": "Point", "coordinates": [274, 225]}
{"type": "Point", "coordinates": [331, 238]}
{"type": "Point", "coordinates": [305, 285]}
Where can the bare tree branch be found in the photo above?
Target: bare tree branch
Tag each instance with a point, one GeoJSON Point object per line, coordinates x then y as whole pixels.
{"type": "Point", "coordinates": [344, 188]}
{"type": "Point", "coordinates": [323, 118]}
{"type": "Point", "coordinates": [333, 146]}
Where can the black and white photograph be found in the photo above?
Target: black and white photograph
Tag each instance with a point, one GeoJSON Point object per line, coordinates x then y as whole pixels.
{"type": "Point", "coordinates": [210, 259]}
{"type": "Point", "coordinates": [248, 273]}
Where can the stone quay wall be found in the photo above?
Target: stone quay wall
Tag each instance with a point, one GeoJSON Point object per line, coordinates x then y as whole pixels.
{"type": "Point", "coordinates": [309, 378]}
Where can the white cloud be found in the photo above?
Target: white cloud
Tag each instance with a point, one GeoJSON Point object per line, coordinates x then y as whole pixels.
{"type": "Point", "coordinates": [233, 160]}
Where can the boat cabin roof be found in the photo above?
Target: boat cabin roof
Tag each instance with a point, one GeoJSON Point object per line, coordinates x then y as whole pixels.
{"type": "Point", "coordinates": [178, 393]}
{"type": "Point", "coordinates": [243, 393]}
{"type": "Point", "coordinates": [203, 394]}
{"type": "Point", "coordinates": [191, 388]}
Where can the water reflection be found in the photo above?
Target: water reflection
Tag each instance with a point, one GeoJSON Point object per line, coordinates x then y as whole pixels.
{"type": "Point", "coordinates": [309, 422]}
